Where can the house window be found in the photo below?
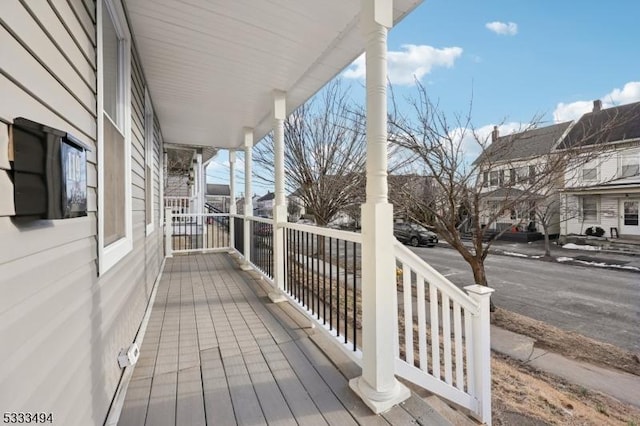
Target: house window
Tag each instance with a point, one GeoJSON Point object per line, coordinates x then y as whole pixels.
{"type": "Point", "coordinates": [149, 177]}
{"type": "Point", "coordinates": [496, 178]}
{"type": "Point", "coordinates": [532, 174]}
{"type": "Point", "coordinates": [522, 174]}
{"type": "Point", "coordinates": [590, 174]}
{"type": "Point", "coordinates": [114, 123]}
{"type": "Point", "coordinates": [629, 166]}
{"type": "Point", "coordinates": [590, 209]}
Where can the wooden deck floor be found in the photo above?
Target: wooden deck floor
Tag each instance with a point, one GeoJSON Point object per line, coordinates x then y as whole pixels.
{"type": "Point", "coordinates": [217, 352]}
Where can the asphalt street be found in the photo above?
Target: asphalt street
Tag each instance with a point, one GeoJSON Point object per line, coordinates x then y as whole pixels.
{"type": "Point", "coordinates": [601, 304]}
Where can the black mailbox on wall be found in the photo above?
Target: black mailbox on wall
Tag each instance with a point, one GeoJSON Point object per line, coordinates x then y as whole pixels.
{"type": "Point", "coordinates": [49, 172]}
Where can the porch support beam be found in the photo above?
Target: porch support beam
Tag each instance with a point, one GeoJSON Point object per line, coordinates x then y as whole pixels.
{"type": "Point", "coordinates": [280, 207]}
{"type": "Point", "coordinates": [232, 197]}
{"type": "Point", "coordinates": [248, 197]}
{"type": "Point", "coordinates": [377, 386]}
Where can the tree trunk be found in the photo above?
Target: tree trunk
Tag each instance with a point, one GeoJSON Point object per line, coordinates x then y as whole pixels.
{"type": "Point", "coordinates": [480, 277]}
{"type": "Point", "coordinates": [547, 243]}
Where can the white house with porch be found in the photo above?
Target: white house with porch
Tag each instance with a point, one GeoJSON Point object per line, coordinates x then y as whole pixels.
{"type": "Point", "coordinates": [605, 191]}
{"type": "Point", "coordinates": [115, 310]}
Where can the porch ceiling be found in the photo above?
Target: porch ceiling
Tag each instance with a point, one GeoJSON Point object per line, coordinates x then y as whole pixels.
{"type": "Point", "coordinates": [211, 65]}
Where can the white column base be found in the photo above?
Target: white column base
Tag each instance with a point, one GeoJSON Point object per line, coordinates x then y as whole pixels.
{"type": "Point", "coordinates": [379, 402]}
{"type": "Point", "coordinates": [246, 266]}
{"type": "Point", "coordinates": [276, 296]}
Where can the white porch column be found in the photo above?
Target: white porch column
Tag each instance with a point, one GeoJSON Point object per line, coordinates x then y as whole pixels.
{"type": "Point", "coordinates": [248, 197]}
{"type": "Point", "coordinates": [280, 207]}
{"type": "Point", "coordinates": [199, 185]}
{"type": "Point", "coordinates": [377, 386]}
{"type": "Point", "coordinates": [232, 199]}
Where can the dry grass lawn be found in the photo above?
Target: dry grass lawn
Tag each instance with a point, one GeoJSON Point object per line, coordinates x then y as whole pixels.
{"type": "Point", "coordinates": [524, 396]}
{"type": "Point", "coordinates": [567, 343]}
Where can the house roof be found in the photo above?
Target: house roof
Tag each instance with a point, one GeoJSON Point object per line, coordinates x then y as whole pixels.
{"type": "Point", "coordinates": [627, 183]}
{"type": "Point", "coordinates": [617, 124]}
{"type": "Point", "coordinates": [212, 66]}
{"type": "Point", "coordinates": [522, 145]}
{"type": "Point", "coordinates": [218, 189]}
{"type": "Point", "coordinates": [268, 196]}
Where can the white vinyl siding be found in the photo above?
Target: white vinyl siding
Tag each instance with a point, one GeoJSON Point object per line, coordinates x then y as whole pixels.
{"type": "Point", "coordinates": [65, 324]}
{"type": "Point", "coordinates": [149, 176]}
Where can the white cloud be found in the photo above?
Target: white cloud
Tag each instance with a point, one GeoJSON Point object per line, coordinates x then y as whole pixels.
{"type": "Point", "coordinates": [574, 110]}
{"type": "Point", "coordinates": [413, 62]}
{"type": "Point", "coordinates": [502, 28]}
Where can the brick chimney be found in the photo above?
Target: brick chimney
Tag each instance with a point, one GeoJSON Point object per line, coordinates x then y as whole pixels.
{"type": "Point", "coordinates": [495, 134]}
{"type": "Point", "coordinates": [597, 105]}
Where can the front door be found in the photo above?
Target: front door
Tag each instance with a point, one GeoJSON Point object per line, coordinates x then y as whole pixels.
{"type": "Point", "coordinates": [629, 220]}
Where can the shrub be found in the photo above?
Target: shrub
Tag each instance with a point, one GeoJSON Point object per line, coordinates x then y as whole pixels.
{"type": "Point", "coordinates": [595, 231]}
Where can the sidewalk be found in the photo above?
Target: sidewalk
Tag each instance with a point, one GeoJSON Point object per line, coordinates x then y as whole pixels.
{"type": "Point", "coordinates": [587, 256]}
{"type": "Point", "coordinates": [623, 386]}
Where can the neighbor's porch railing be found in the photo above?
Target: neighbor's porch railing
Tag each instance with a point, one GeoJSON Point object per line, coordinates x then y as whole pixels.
{"type": "Point", "coordinates": [180, 205]}
{"type": "Point", "coordinates": [442, 332]}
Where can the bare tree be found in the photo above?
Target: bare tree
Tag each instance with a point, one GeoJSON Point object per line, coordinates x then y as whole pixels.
{"type": "Point", "coordinates": [497, 193]}
{"type": "Point", "coordinates": [324, 153]}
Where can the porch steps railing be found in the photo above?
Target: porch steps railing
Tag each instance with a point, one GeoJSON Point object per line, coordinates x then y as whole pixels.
{"type": "Point", "coordinates": [443, 335]}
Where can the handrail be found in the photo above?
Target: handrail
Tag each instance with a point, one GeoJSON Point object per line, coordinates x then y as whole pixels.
{"type": "Point", "coordinates": [200, 214]}
{"type": "Point", "coordinates": [325, 232]}
{"type": "Point", "coordinates": [260, 219]}
{"type": "Point", "coordinates": [434, 277]}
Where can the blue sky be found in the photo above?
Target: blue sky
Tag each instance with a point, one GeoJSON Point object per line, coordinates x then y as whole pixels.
{"type": "Point", "coordinates": [516, 58]}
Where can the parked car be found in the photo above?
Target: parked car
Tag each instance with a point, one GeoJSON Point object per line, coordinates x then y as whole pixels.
{"type": "Point", "coordinates": [414, 234]}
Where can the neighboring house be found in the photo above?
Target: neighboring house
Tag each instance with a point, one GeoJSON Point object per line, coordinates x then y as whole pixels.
{"type": "Point", "coordinates": [218, 197]}
{"type": "Point", "coordinates": [240, 204]}
{"type": "Point", "coordinates": [406, 190]}
{"type": "Point", "coordinates": [604, 191]}
{"type": "Point", "coordinates": [265, 205]}
{"type": "Point", "coordinates": [295, 206]}
{"type": "Point", "coordinates": [508, 174]}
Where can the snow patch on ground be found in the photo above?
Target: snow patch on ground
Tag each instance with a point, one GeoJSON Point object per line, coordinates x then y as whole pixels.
{"type": "Point", "coordinates": [514, 254]}
{"type": "Point", "coordinates": [572, 246]}
{"type": "Point", "coordinates": [511, 253]}
{"type": "Point", "coordinates": [598, 264]}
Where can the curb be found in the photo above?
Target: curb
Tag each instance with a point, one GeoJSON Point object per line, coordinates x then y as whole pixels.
{"type": "Point", "coordinates": [554, 259]}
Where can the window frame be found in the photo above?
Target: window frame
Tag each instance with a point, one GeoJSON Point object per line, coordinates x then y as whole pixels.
{"type": "Point", "coordinates": [110, 255]}
{"type": "Point", "coordinates": [628, 160]}
{"type": "Point", "coordinates": [597, 209]}
{"type": "Point", "coordinates": [149, 161]}
{"type": "Point", "coordinates": [590, 170]}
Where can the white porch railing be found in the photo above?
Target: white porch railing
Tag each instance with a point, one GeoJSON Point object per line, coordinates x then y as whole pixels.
{"type": "Point", "coordinates": [196, 232]}
{"type": "Point", "coordinates": [443, 335]}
